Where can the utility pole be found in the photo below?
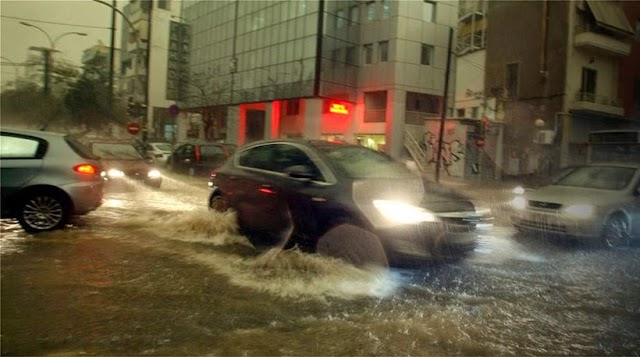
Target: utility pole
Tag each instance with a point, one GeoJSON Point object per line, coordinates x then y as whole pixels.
{"type": "Point", "coordinates": [443, 112]}
{"type": "Point", "coordinates": [145, 130]}
{"type": "Point", "coordinates": [111, 56]}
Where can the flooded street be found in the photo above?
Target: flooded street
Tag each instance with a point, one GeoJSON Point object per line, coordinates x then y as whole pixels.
{"type": "Point", "coordinates": [153, 272]}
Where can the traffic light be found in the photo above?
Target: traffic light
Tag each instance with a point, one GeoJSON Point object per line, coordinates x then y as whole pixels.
{"type": "Point", "coordinates": [131, 107]}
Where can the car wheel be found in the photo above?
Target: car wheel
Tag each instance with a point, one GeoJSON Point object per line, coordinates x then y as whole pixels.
{"type": "Point", "coordinates": [43, 211]}
{"type": "Point", "coordinates": [354, 245]}
{"type": "Point", "coordinates": [218, 203]}
{"type": "Point", "coordinates": [616, 231]}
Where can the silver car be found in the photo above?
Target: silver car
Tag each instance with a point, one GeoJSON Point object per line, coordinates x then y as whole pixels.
{"type": "Point", "coordinates": [593, 201]}
{"type": "Point", "coordinates": [46, 178]}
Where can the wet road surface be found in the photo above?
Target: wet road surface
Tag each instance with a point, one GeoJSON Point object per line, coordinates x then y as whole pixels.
{"type": "Point", "coordinates": [152, 272]}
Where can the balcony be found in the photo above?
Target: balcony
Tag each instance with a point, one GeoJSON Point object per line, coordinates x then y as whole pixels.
{"type": "Point", "coordinates": [601, 43]}
{"type": "Point", "coordinates": [592, 104]}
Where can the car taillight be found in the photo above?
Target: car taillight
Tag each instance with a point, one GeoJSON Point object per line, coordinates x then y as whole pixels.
{"type": "Point", "coordinates": [197, 153]}
{"type": "Point", "coordinates": [86, 169]}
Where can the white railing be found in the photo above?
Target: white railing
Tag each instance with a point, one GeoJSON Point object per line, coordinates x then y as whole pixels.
{"type": "Point", "coordinates": [415, 150]}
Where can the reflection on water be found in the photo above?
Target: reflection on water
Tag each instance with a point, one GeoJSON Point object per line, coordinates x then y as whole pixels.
{"type": "Point", "coordinates": [154, 272]}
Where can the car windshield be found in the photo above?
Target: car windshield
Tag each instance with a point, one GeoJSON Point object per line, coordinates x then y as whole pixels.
{"type": "Point", "coordinates": [163, 147]}
{"type": "Point", "coordinates": [599, 177]}
{"type": "Point", "coordinates": [360, 162]}
{"type": "Point", "coordinates": [116, 151]}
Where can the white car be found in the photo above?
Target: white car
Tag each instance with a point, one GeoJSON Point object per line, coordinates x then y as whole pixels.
{"type": "Point", "coordinates": [159, 152]}
{"type": "Point", "coordinates": [593, 201]}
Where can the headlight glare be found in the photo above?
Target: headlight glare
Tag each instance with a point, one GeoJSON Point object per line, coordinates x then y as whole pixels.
{"type": "Point", "coordinates": [399, 212]}
{"type": "Point", "coordinates": [519, 202]}
{"type": "Point", "coordinates": [518, 190]}
{"type": "Point", "coordinates": [580, 211]}
{"type": "Point", "coordinates": [153, 174]}
{"type": "Point", "coordinates": [113, 173]}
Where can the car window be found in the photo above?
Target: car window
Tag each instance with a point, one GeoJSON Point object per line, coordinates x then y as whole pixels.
{"type": "Point", "coordinates": [211, 152]}
{"type": "Point", "coordinates": [278, 158]}
{"type": "Point", "coordinates": [360, 162]}
{"type": "Point", "coordinates": [116, 151]}
{"type": "Point", "coordinates": [14, 147]}
{"type": "Point", "coordinates": [599, 177]}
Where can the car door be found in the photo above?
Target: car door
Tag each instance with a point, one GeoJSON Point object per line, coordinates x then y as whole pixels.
{"type": "Point", "coordinates": [21, 159]}
{"type": "Point", "coordinates": [258, 198]}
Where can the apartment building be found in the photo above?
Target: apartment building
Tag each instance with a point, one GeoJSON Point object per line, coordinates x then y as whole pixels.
{"type": "Point", "coordinates": [135, 38]}
{"type": "Point", "coordinates": [367, 72]}
{"type": "Point", "coordinates": [556, 70]}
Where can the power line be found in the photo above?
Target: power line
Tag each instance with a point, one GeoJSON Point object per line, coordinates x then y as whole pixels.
{"type": "Point", "coordinates": [55, 23]}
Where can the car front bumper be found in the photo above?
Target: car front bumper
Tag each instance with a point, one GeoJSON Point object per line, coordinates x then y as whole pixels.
{"type": "Point", "coordinates": [557, 224]}
{"type": "Point", "coordinates": [432, 241]}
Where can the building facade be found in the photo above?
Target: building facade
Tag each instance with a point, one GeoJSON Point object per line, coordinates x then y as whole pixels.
{"type": "Point", "coordinates": [367, 72]}
{"type": "Point", "coordinates": [556, 69]}
{"type": "Point", "coordinates": [136, 34]}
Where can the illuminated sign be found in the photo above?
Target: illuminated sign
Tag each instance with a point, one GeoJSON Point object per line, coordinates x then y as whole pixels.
{"type": "Point", "coordinates": [338, 108]}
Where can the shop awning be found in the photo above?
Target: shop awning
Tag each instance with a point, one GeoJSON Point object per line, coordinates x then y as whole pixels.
{"type": "Point", "coordinates": [609, 15]}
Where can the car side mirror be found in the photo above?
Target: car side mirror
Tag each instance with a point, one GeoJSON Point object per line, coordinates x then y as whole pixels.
{"type": "Point", "coordinates": [301, 172]}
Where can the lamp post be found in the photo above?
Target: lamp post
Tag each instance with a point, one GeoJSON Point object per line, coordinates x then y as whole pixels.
{"type": "Point", "coordinates": [46, 52]}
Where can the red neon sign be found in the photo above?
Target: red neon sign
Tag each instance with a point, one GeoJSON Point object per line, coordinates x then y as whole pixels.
{"type": "Point", "coordinates": [338, 108]}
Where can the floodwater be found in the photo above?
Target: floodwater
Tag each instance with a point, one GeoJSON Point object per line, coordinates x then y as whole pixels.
{"type": "Point", "coordinates": [152, 272]}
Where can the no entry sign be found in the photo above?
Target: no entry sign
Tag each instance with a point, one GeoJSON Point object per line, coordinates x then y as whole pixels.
{"type": "Point", "coordinates": [133, 128]}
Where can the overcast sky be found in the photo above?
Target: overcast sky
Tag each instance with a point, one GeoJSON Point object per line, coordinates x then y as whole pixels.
{"type": "Point", "coordinates": [55, 17]}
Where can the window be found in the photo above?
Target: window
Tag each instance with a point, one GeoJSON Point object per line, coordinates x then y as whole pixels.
{"type": "Point", "coordinates": [429, 11]}
{"type": "Point", "coordinates": [426, 55]}
{"type": "Point", "coordinates": [383, 46]}
{"type": "Point", "coordinates": [375, 106]}
{"type": "Point", "coordinates": [351, 56]}
{"type": "Point", "coordinates": [340, 20]}
{"type": "Point", "coordinates": [386, 9]}
{"type": "Point", "coordinates": [474, 112]}
{"type": "Point", "coordinates": [460, 113]}
{"type": "Point", "coordinates": [368, 53]}
{"type": "Point", "coordinates": [371, 10]}
{"type": "Point", "coordinates": [511, 81]}
{"type": "Point", "coordinates": [293, 107]}
{"type": "Point", "coordinates": [335, 57]}
{"type": "Point", "coordinates": [278, 158]}
{"type": "Point", "coordinates": [588, 88]}
{"type": "Point", "coordinates": [13, 147]}
{"type": "Point", "coordinates": [636, 92]}
{"type": "Point", "coordinates": [354, 15]}
{"type": "Point", "coordinates": [163, 4]}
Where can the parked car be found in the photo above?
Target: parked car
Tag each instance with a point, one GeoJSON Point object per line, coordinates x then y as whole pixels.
{"type": "Point", "coordinates": [600, 201]}
{"type": "Point", "coordinates": [47, 178]}
{"type": "Point", "coordinates": [199, 158]}
{"type": "Point", "coordinates": [122, 160]}
{"type": "Point", "coordinates": [345, 201]}
{"type": "Point", "coordinates": [544, 181]}
{"type": "Point", "coordinates": [159, 152]}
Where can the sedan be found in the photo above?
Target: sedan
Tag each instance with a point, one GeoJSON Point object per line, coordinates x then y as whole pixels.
{"type": "Point", "coordinates": [159, 152]}
{"type": "Point", "coordinates": [47, 178]}
{"type": "Point", "coordinates": [344, 201]}
{"type": "Point", "coordinates": [199, 158]}
{"type": "Point", "coordinates": [594, 201]}
{"type": "Point", "coordinates": [122, 160]}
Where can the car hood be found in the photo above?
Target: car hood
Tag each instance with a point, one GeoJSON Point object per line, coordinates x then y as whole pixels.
{"type": "Point", "coordinates": [125, 165]}
{"type": "Point", "coordinates": [414, 191]}
{"type": "Point", "coordinates": [569, 195]}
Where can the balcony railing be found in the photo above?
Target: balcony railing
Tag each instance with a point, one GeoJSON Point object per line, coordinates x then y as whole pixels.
{"type": "Point", "coordinates": [599, 99]}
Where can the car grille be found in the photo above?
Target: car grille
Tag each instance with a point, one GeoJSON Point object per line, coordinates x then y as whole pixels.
{"type": "Point", "coordinates": [543, 225]}
{"type": "Point", "coordinates": [135, 174]}
{"type": "Point", "coordinates": [544, 205]}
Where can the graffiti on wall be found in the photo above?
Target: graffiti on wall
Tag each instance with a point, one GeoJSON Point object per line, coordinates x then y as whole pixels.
{"type": "Point", "coordinates": [452, 154]}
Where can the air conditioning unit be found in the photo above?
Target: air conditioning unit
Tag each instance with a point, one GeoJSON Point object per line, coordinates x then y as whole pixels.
{"type": "Point", "coordinates": [545, 137]}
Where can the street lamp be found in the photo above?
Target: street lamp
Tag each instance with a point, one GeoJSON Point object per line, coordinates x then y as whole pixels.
{"type": "Point", "coordinates": [46, 52]}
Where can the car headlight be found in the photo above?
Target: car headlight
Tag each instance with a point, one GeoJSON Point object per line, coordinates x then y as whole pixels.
{"type": "Point", "coordinates": [580, 211]}
{"type": "Point", "coordinates": [518, 190]}
{"type": "Point", "coordinates": [399, 212]}
{"type": "Point", "coordinates": [113, 173]}
{"type": "Point", "coordinates": [153, 174]}
{"type": "Point", "coordinates": [519, 202]}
